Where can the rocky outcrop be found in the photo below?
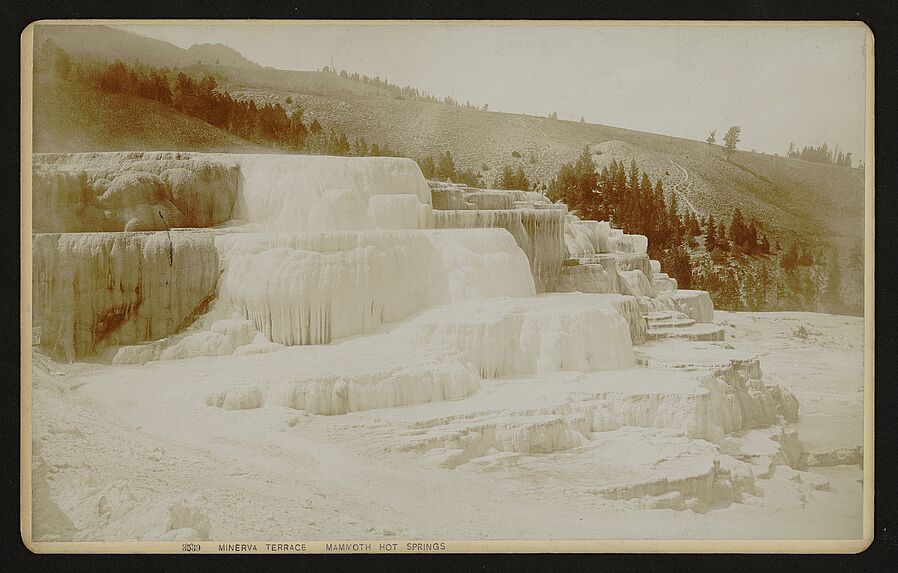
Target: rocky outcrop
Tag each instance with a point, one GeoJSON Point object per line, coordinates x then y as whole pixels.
{"type": "Point", "coordinates": [77, 193]}
{"type": "Point", "coordinates": [92, 290]}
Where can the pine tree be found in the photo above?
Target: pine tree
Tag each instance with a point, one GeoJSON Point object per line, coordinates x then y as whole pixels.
{"type": "Point", "coordinates": [445, 169]}
{"type": "Point", "coordinates": [507, 179]}
{"type": "Point", "coordinates": [645, 200]}
{"type": "Point", "coordinates": [722, 242]}
{"type": "Point", "coordinates": [731, 139]}
{"type": "Point", "coordinates": [710, 235]}
{"type": "Point", "coordinates": [751, 238]}
{"type": "Point", "coordinates": [360, 148]}
{"type": "Point", "coordinates": [658, 208]}
{"type": "Point", "coordinates": [343, 147]}
{"type": "Point", "coordinates": [586, 183]}
{"type": "Point", "coordinates": [520, 180]}
{"type": "Point", "coordinates": [682, 268]}
{"type": "Point", "coordinates": [297, 129]}
{"type": "Point", "coordinates": [728, 293]}
{"type": "Point", "coordinates": [676, 224]}
{"type": "Point", "coordinates": [737, 232]}
{"type": "Point", "coordinates": [694, 228]}
{"type": "Point", "coordinates": [428, 166]}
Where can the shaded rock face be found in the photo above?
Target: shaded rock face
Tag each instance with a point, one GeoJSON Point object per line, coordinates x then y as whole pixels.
{"type": "Point", "coordinates": [310, 288]}
{"type": "Point", "coordinates": [93, 290]}
{"type": "Point", "coordinates": [587, 279]}
{"type": "Point", "coordinates": [297, 193]}
{"type": "Point", "coordinates": [697, 304]}
{"type": "Point", "coordinates": [104, 193]}
{"type": "Point", "coordinates": [539, 233]}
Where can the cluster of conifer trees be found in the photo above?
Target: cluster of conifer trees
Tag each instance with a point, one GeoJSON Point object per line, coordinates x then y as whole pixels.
{"type": "Point", "coordinates": [630, 201]}
{"type": "Point", "coordinates": [443, 168]}
{"type": "Point", "coordinates": [795, 257]}
{"type": "Point", "coordinates": [512, 178]}
{"type": "Point", "coordinates": [739, 265]}
{"type": "Point", "coordinates": [262, 123]}
{"type": "Point", "coordinates": [821, 154]}
{"type": "Point", "coordinates": [741, 239]}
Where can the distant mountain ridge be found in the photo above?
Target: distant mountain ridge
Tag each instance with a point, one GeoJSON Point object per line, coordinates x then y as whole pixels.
{"type": "Point", "coordinates": [217, 54]}
{"type": "Point", "coordinates": [103, 42]}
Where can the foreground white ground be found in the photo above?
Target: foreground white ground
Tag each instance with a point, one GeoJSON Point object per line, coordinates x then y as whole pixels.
{"type": "Point", "coordinates": [147, 452]}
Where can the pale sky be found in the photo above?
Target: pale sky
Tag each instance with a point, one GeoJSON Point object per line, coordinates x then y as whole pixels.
{"type": "Point", "coordinates": [780, 84]}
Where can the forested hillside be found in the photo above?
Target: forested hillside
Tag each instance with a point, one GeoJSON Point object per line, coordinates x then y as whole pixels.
{"type": "Point", "coordinates": [113, 90]}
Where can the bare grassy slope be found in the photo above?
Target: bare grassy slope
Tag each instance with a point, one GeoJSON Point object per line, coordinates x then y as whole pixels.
{"type": "Point", "coordinates": [793, 198]}
{"type": "Point", "coordinates": [790, 196]}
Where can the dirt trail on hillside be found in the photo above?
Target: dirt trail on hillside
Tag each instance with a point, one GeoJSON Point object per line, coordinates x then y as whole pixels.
{"type": "Point", "coordinates": [683, 187]}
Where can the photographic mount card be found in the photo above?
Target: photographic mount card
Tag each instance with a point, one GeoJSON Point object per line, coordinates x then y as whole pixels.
{"type": "Point", "coordinates": [419, 287]}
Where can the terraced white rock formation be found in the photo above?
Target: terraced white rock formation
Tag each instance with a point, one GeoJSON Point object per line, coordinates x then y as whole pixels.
{"type": "Point", "coordinates": [473, 330]}
{"type": "Point", "coordinates": [313, 288]}
{"type": "Point", "coordinates": [92, 192]}
{"type": "Point", "coordinates": [538, 232]}
{"type": "Point", "coordinates": [285, 194]}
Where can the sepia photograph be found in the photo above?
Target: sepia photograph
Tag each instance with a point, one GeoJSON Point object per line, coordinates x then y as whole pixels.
{"type": "Point", "coordinates": [447, 286]}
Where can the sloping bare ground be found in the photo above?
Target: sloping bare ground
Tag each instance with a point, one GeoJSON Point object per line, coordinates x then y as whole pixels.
{"type": "Point", "coordinates": [124, 453]}
{"type": "Point", "coordinates": [74, 119]}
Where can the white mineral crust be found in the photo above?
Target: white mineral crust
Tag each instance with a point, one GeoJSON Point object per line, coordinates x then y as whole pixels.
{"type": "Point", "coordinates": [298, 347]}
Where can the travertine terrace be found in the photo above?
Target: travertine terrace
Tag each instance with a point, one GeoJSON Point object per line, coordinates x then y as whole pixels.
{"type": "Point", "coordinates": [449, 328]}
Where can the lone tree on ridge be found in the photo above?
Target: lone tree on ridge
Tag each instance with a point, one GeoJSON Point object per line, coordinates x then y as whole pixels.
{"type": "Point", "coordinates": [730, 140]}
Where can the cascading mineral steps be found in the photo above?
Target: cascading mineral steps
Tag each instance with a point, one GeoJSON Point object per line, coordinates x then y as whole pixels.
{"type": "Point", "coordinates": [691, 332]}
{"type": "Point", "coordinates": [675, 324]}
{"type": "Point", "coordinates": [664, 319]}
{"type": "Point", "coordinates": [323, 196]}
